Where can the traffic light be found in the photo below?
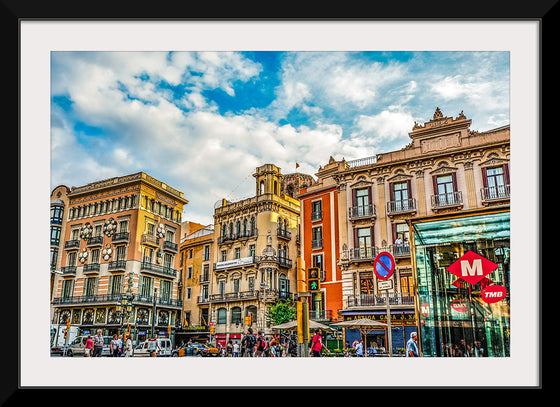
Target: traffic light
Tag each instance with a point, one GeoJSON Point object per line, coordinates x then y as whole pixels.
{"type": "Point", "coordinates": [313, 279]}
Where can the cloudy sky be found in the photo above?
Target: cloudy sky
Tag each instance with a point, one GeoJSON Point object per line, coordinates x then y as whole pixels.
{"type": "Point", "coordinates": [203, 121]}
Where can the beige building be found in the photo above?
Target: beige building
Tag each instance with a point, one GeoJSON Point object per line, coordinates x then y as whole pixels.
{"type": "Point", "coordinates": [197, 258]}
{"type": "Point", "coordinates": [255, 260]}
{"type": "Point", "coordinates": [121, 239]}
{"type": "Point", "coordinates": [447, 170]}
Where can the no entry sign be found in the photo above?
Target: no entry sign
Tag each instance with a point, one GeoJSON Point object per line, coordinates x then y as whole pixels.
{"type": "Point", "coordinates": [384, 265]}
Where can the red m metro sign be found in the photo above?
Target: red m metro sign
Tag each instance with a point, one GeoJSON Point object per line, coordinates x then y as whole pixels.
{"type": "Point", "coordinates": [472, 267]}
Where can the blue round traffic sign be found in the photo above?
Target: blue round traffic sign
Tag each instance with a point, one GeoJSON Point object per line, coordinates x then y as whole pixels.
{"type": "Point", "coordinates": [384, 265]}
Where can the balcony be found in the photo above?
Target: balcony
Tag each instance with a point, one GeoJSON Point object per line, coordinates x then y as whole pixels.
{"type": "Point", "coordinates": [170, 246]}
{"type": "Point", "coordinates": [72, 244]}
{"type": "Point", "coordinates": [375, 300]}
{"type": "Point", "coordinates": [495, 194]}
{"type": "Point", "coordinates": [400, 250]}
{"type": "Point", "coordinates": [158, 270]}
{"type": "Point", "coordinates": [121, 237]}
{"type": "Point", "coordinates": [68, 271]}
{"type": "Point", "coordinates": [321, 315]}
{"type": "Point", "coordinates": [284, 234]}
{"type": "Point", "coordinates": [403, 206]}
{"type": "Point", "coordinates": [316, 215]}
{"type": "Point", "coordinates": [238, 236]}
{"type": "Point", "coordinates": [95, 241]}
{"type": "Point", "coordinates": [316, 244]}
{"type": "Point", "coordinates": [117, 265]}
{"type": "Point", "coordinates": [362, 212]}
{"type": "Point", "coordinates": [87, 299]}
{"type": "Point", "coordinates": [150, 240]}
{"type": "Point", "coordinates": [448, 200]}
{"type": "Point", "coordinates": [91, 268]}
{"type": "Point", "coordinates": [285, 262]}
{"type": "Point", "coordinates": [366, 253]}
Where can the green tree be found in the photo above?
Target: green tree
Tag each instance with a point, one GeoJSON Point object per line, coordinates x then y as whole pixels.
{"type": "Point", "coordinates": [281, 311]}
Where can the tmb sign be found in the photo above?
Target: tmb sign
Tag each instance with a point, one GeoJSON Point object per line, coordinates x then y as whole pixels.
{"type": "Point", "coordinates": [472, 267]}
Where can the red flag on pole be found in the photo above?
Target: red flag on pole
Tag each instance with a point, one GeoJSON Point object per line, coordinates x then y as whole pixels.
{"type": "Point", "coordinates": [297, 165]}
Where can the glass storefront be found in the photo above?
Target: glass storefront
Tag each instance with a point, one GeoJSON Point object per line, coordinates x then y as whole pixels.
{"type": "Point", "coordinates": [455, 319]}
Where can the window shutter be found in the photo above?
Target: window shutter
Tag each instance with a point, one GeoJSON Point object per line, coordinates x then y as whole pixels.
{"type": "Point", "coordinates": [409, 188]}
{"type": "Point", "coordinates": [354, 198]}
{"type": "Point", "coordinates": [355, 238]}
{"type": "Point", "coordinates": [484, 178]}
{"type": "Point", "coordinates": [454, 180]}
{"type": "Point", "coordinates": [394, 231]}
{"type": "Point", "coordinates": [391, 191]}
{"type": "Point", "coordinates": [369, 194]}
{"type": "Point", "coordinates": [506, 173]}
{"type": "Point", "coordinates": [434, 181]}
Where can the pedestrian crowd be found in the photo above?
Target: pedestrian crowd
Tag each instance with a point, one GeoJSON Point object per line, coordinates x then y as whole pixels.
{"type": "Point", "coordinates": [259, 346]}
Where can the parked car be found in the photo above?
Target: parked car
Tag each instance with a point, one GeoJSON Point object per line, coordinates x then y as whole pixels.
{"type": "Point", "coordinates": [77, 347]}
{"type": "Point", "coordinates": [165, 348]}
{"type": "Point", "coordinates": [187, 350]}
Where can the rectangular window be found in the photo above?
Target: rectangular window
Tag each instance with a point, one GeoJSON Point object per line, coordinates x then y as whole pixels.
{"type": "Point", "coordinates": [317, 261]}
{"type": "Point", "coordinates": [222, 286]}
{"type": "Point", "coordinates": [206, 253]}
{"type": "Point", "coordinates": [363, 202]}
{"type": "Point", "coordinates": [224, 255]}
{"type": "Point", "coordinates": [317, 237]}
{"type": "Point", "coordinates": [189, 271]}
{"type": "Point", "coordinates": [252, 250]}
{"type": "Point", "coordinates": [236, 285]}
{"type": "Point", "coordinates": [95, 256]}
{"type": "Point", "coordinates": [166, 288]}
{"type": "Point", "coordinates": [400, 193]}
{"type": "Point", "coordinates": [145, 286]}
{"type": "Point", "coordinates": [55, 235]}
{"type": "Point", "coordinates": [237, 253]}
{"type": "Point", "coordinates": [251, 283]}
{"type": "Point", "coordinates": [317, 210]}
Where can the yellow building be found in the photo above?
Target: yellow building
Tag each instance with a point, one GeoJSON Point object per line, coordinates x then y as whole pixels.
{"type": "Point", "coordinates": [255, 259]}
{"type": "Point", "coordinates": [121, 242]}
{"type": "Point", "coordinates": [197, 257]}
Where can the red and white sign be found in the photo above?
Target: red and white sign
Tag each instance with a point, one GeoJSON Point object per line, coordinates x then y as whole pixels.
{"type": "Point", "coordinates": [425, 310]}
{"type": "Point", "coordinates": [493, 293]}
{"type": "Point", "coordinates": [472, 267]}
{"type": "Point", "coordinates": [459, 305]}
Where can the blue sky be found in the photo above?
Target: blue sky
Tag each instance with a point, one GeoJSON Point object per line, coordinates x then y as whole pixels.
{"type": "Point", "coordinates": [203, 121]}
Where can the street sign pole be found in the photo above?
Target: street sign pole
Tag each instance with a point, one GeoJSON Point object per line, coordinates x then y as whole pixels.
{"type": "Point", "coordinates": [383, 267]}
{"type": "Point", "coordinates": [389, 333]}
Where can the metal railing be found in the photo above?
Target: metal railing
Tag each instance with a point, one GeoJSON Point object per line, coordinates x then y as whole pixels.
{"type": "Point", "coordinates": [499, 192]}
{"type": "Point", "coordinates": [404, 205]}
{"type": "Point", "coordinates": [366, 300]}
{"type": "Point", "coordinates": [447, 199]}
{"type": "Point", "coordinates": [365, 211]}
{"type": "Point", "coordinates": [161, 270]}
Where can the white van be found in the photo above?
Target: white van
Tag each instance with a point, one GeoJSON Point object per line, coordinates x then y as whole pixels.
{"type": "Point", "coordinates": [77, 346]}
{"type": "Point", "coordinates": [165, 348]}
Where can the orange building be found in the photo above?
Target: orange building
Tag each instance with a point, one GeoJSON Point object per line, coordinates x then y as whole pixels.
{"type": "Point", "coordinates": [320, 241]}
{"type": "Point", "coordinates": [121, 239]}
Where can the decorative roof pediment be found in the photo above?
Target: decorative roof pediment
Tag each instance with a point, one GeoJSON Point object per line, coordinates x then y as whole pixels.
{"type": "Point", "coordinates": [361, 182]}
{"type": "Point", "coordinates": [493, 161]}
{"type": "Point", "coordinates": [399, 177]}
{"type": "Point", "coordinates": [443, 168]}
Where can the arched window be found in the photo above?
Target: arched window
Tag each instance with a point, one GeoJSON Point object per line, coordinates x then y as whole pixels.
{"type": "Point", "coordinates": [238, 228]}
{"type": "Point", "coordinates": [222, 316]}
{"type": "Point", "coordinates": [245, 227]}
{"type": "Point", "coordinates": [252, 226]}
{"type": "Point", "coordinates": [236, 315]}
{"type": "Point", "coordinates": [261, 188]}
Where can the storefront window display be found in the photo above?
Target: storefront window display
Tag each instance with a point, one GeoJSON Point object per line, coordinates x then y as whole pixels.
{"type": "Point", "coordinates": [456, 317]}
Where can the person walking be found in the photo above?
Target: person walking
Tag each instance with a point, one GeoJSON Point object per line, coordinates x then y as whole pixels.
{"type": "Point", "coordinates": [235, 349]}
{"type": "Point", "coordinates": [317, 344]}
{"type": "Point", "coordinates": [128, 346]}
{"type": "Point", "coordinates": [98, 344]}
{"type": "Point", "coordinates": [114, 346]}
{"type": "Point", "coordinates": [248, 343]}
{"type": "Point", "coordinates": [153, 346]}
{"type": "Point", "coordinates": [412, 346]}
{"type": "Point", "coordinates": [88, 347]}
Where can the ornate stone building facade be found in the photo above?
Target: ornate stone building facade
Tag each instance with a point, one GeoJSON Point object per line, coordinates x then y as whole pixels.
{"type": "Point", "coordinates": [121, 239]}
{"type": "Point", "coordinates": [446, 170]}
{"type": "Point", "coordinates": [256, 251]}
